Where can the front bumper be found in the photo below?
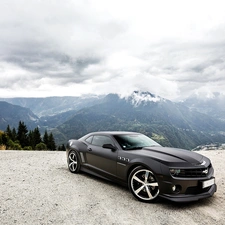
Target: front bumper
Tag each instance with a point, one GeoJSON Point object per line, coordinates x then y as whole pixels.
{"type": "Point", "coordinates": [190, 197]}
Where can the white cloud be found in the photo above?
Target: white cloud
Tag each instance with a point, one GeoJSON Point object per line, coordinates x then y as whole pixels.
{"type": "Point", "coordinates": [170, 48]}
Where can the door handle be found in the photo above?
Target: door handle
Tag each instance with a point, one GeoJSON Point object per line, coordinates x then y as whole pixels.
{"type": "Point", "coordinates": [89, 149]}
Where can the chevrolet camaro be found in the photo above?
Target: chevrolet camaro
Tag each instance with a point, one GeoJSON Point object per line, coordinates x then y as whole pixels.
{"type": "Point", "coordinates": [148, 169]}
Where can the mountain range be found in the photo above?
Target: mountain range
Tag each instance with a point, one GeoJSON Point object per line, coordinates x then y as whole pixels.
{"type": "Point", "coordinates": [179, 124]}
{"type": "Point", "coordinates": [11, 115]}
{"type": "Point", "coordinates": [53, 105]}
{"type": "Point", "coordinates": [213, 106]}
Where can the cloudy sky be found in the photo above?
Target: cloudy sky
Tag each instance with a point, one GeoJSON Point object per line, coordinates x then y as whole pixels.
{"type": "Point", "coordinates": [172, 48]}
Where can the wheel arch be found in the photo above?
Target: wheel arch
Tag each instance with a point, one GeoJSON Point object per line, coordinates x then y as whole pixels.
{"type": "Point", "coordinates": [155, 167]}
{"type": "Point", "coordinates": [132, 167]}
{"type": "Point", "coordinates": [74, 145]}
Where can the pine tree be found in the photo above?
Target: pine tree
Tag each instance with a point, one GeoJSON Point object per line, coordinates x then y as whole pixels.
{"type": "Point", "coordinates": [51, 142]}
{"type": "Point", "coordinates": [61, 147]}
{"type": "Point", "coordinates": [14, 134]}
{"type": "Point", "coordinates": [22, 136]}
{"type": "Point", "coordinates": [9, 132]}
{"type": "Point", "coordinates": [31, 139]}
{"type": "Point", "coordinates": [36, 136]}
{"type": "Point", "coordinates": [4, 138]}
{"type": "Point", "coordinates": [27, 141]}
{"type": "Point", "coordinates": [45, 138]}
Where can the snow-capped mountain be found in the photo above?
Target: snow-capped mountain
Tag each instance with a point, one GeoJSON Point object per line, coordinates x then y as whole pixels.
{"type": "Point", "coordinates": [142, 98]}
{"type": "Point", "coordinates": [171, 124]}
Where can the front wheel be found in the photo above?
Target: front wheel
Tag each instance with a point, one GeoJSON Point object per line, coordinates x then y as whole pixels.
{"type": "Point", "coordinates": [143, 184]}
{"type": "Point", "coordinates": [73, 162]}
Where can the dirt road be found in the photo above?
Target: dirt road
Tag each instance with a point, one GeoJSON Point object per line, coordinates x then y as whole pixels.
{"type": "Point", "coordinates": [37, 188]}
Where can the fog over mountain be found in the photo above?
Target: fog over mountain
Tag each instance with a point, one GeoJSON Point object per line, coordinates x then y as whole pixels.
{"type": "Point", "coordinates": [213, 105]}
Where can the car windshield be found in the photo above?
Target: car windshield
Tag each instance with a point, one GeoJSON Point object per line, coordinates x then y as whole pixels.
{"type": "Point", "coordinates": [134, 141]}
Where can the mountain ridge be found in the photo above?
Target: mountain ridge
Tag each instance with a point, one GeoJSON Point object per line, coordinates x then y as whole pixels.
{"type": "Point", "coordinates": [171, 123]}
{"type": "Point", "coordinates": [50, 106]}
{"type": "Point", "coordinates": [174, 123]}
{"type": "Point", "coordinates": [11, 115]}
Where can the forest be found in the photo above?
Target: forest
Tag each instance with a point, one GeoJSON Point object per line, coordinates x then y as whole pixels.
{"type": "Point", "coordinates": [22, 139]}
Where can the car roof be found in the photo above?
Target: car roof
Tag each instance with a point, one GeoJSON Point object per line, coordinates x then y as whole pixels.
{"type": "Point", "coordinates": [113, 132]}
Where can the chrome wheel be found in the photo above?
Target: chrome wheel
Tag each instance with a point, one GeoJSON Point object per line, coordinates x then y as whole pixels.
{"type": "Point", "coordinates": [73, 162]}
{"type": "Point", "coordinates": [143, 184]}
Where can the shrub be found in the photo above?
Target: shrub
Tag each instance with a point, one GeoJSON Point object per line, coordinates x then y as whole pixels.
{"type": "Point", "coordinates": [41, 146]}
{"type": "Point", "coordinates": [27, 148]}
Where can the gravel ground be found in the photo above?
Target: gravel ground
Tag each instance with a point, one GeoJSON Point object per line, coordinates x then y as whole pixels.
{"type": "Point", "coordinates": [37, 188]}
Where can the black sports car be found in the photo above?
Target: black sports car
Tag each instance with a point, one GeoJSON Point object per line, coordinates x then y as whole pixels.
{"type": "Point", "coordinates": [149, 170]}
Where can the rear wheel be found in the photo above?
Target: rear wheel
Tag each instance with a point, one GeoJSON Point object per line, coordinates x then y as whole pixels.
{"type": "Point", "coordinates": [143, 184]}
{"type": "Point", "coordinates": [73, 162]}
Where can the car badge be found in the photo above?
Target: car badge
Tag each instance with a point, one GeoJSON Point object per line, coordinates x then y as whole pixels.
{"type": "Point", "coordinates": [205, 171]}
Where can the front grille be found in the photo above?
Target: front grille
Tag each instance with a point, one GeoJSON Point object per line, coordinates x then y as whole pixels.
{"type": "Point", "coordinates": [197, 172]}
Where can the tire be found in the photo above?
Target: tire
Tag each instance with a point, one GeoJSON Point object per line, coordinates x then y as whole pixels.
{"type": "Point", "coordinates": [143, 184]}
{"type": "Point", "coordinates": [73, 162]}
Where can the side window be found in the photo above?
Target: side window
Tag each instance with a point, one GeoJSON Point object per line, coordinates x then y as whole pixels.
{"type": "Point", "coordinates": [89, 139]}
{"type": "Point", "coordinates": [100, 140]}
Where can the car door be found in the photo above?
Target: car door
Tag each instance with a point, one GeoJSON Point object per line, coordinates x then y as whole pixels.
{"type": "Point", "coordinates": [102, 159]}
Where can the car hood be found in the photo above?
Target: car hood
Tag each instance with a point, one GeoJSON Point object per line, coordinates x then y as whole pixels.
{"type": "Point", "coordinates": [172, 155]}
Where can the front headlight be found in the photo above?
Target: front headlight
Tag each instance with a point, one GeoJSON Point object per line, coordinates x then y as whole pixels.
{"type": "Point", "coordinates": [174, 172]}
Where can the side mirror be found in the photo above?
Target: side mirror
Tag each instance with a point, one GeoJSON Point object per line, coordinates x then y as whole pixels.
{"type": "Point", "coordinates": [110, 146]}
